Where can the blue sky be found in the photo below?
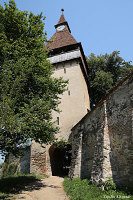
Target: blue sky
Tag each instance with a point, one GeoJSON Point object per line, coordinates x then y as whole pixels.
{"type": "Point", "coordinates": [102, 26]}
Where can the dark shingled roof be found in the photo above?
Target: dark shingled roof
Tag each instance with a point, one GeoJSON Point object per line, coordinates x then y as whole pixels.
{"type": "Point", "coordinates": [61, 38]}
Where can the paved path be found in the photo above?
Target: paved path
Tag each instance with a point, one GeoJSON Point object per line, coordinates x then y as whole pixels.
{"type": "Point", "coordinates": [48, 189]}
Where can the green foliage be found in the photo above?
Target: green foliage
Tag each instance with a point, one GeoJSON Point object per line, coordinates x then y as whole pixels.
{"type": "Point", "coordinates": [109, 185]}
{"type": "Point", "coordinates": [104, 73]}
{"type": "Point", "coordinates": [78, 190]}
{"type": "Point", "coordinates": [28, 91]}
{"type": "Point", "coordinates": [83, 190]}
{"type": "Point", "coordinates": [1, 165]}
{"type": "Point", "coordinates": [61, 144]}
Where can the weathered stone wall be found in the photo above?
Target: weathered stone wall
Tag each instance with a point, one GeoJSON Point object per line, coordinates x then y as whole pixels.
{"type": "Point", "coordinates": [38, 158]}
{"type": "Point", "coordinates": [91, 147]}
{"type": "Point", "coordinates": [119, 112]}
{"type": "Point", "coordinates": [33, 159]}
{"type": "Point", "coordinates": [22, 162]}
{"type": "Point", "coordinates": [102, 140]}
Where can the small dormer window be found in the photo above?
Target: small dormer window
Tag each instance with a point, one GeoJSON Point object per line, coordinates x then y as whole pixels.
{"type": "Point", "coordinates": [57, 120]}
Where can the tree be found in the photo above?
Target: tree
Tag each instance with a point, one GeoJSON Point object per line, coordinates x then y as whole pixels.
{"type": "Point", "coordinates": [104, 73]}
{"type": "Point", "coordinates": [28, 91]}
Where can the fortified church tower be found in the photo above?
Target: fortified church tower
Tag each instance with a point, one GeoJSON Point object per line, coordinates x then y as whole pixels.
{"type": "Point", "coordinates": [67, 55]}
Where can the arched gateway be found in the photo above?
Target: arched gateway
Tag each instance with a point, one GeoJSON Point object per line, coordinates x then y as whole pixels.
{"type": "Point", "coordinates": [60, 160]}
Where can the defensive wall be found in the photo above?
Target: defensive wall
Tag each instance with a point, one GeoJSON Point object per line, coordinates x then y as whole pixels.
{"type": "Point", "coordinates": [102, 140]}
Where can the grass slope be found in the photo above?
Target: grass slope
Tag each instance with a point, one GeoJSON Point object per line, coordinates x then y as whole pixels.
{"type": "Point", "coordinates": [82, 190]}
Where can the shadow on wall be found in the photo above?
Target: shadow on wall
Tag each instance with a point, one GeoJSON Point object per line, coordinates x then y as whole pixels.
{"type": "Point", "coordinates": [20, 164]}
{"type": "Point", "coordinates": [97, 159]}
{"type": "Point", "coordinates": [25, 161]}
{"type": "Point", "coordinates": [120, 157]}
{"type": "Point", "coordinates": [87, 155]}
{"type": "Point", "coordinates": [119, 111]}
{"type": "Point", "coordinates": [87, 148]}
{"type": "Point", "coordinates": [75, 138]}
{"type": "Point", "coordinates": [92, 153]}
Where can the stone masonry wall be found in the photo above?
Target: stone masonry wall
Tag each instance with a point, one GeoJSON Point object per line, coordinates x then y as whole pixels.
{"type": "Point", "coordinates": [22, 162]}
{"type": "Point", "coordinates": [102, 140]}
{"type": "Point", "coordinates": [33, 159]}
{"type": "Point", "coordinates": [91, 147]}
{"type": "Point", "coordinates": [38, 158]}
{"type": "Point", "coordinates": [120, 113]}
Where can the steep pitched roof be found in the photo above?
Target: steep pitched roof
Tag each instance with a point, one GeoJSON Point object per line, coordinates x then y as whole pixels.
{"type": "Point", "coordinates": [61, 38]}
{"type": "Point", "coordinates": [62, 19]}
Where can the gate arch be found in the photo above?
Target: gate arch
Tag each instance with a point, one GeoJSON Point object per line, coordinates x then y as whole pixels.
{"type": "Point", "coordinates": [60, 160]}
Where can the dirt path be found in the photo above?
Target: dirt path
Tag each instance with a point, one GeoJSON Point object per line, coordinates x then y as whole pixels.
{"type": "Point", "coordinates": [48, 189]}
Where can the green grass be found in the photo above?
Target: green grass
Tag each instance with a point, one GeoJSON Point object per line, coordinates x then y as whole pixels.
{"type": "Point", "coordinates": [78, 189]}
{"type": "Point", "coordinates": [14, 184]}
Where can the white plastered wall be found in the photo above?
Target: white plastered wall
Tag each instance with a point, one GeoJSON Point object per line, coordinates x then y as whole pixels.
{"type": "Point", "coordinates": [75, 101]}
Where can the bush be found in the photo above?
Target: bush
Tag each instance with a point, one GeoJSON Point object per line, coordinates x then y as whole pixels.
{"type": "Point", "coordinates": [109, 185]}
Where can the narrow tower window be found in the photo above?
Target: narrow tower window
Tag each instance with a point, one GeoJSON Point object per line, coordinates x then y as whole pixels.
{"type": "Point", "coordinates": [57, 120]}
{"type": "Point", "coordinates": [68, 92]}
{"type": "Point", "coordinates": [64, 70]}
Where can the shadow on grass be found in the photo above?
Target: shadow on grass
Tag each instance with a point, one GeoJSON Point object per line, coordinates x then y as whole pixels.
{"type": "Point", "coordinates": [5, 197]}
{"type": "Point", "coordinates": [13, 185]}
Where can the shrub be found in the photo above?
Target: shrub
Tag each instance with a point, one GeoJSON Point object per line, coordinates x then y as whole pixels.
{"type": "Point", "coordinates": [61, 144]}
{"type": "Point", "coordinates": [109, 185]}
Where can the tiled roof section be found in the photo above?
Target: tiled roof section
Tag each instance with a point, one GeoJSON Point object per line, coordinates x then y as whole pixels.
{"type": "Point", "coordinates": [62, 19]}
{"type": "Point", "coordinates": [61, 39]}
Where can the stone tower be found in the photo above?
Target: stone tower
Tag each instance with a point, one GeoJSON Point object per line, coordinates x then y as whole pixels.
{"type": "Point", "coordinates": [67, 55]}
